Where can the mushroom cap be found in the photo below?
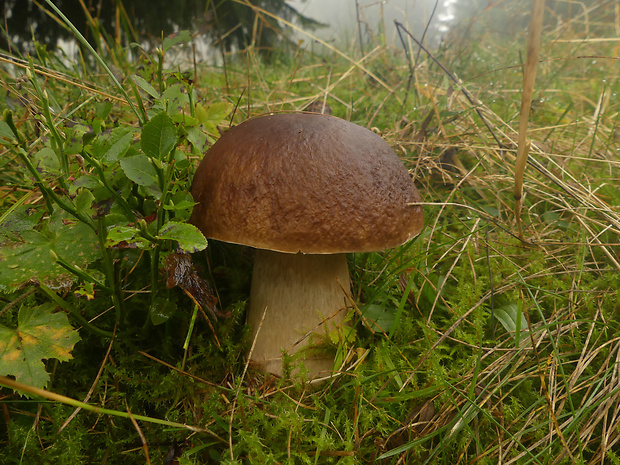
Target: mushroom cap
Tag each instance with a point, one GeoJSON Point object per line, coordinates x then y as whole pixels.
{"type": "Point", "coordinates": [310, 183]}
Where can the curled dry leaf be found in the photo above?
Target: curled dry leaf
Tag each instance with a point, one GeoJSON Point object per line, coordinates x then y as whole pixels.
{"type": "Point", "coordinates": [180, 271]}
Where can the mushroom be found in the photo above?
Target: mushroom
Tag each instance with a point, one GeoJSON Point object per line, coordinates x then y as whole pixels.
{"type": "Point", "coordinates": [304, 190]}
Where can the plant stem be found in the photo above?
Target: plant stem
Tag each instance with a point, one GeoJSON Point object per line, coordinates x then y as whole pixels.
{"type": "Point", "coordinates": [50, 195]}
{"type": "Point", "coordinates": [73, 313]}
{"type": "Point", "coordinates": [104, 182]}
{"type": "Point", "coordinates": [111, 274]}
{"type": "Point", "coordinates": [17, 386]}
{"type": "Point", "coordinates": [56, 138]}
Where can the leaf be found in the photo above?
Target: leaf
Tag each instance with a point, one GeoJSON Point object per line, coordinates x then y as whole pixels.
{"type": "Point", "coordinates": [125, 237]}
{"type": "Point", "coordinates": [103, 109]}
{"type": "Point", "coordinates": [188, 236]}
{"type": "Point", "coordinates": [110, 146]}
{"type": "Point", "coordinates": [378, 318]}
{"type": "Point", "coordinates": [21, 218]}
{"type": "Point", "coordinates": [118, 148]}
{"type": "Point", "coordinates": [5, 132]}
{"type": "Point", "coordinates": [74, 136]}
{"type": "Point", "coordinates": [46, 162]}
{"type": "Point", "coordinates": [86, 290]}
{"type": "Point", "coordinates": [198, 138]}
{"type": "Point", "coordinates": [181, 37]}
{"type": "Point", "coordinates": [507, 316]}
{"type": "Point", "coordinates": [120, 234]}
{"type": "Point", "coordinates": [30, 259]}
{"type": "Point", "coordinates": [180, 271]}
{"type": "Point", "coordinates": [213, 115]}
{"type": "Point", "coordinates": [140, 170]}
{"type": "Point", "coordinates": [145, 86]}
{"type": "Point", "coordinates": [175, 98]}
{"type": "Point", "coordinates": [40, 334]}
{"type": "Point", "coordinates": [159, 136]}
{"type": "Point", "coordinates": [161, 310]}
{"type": "Point", "coordinates": [83, 201]}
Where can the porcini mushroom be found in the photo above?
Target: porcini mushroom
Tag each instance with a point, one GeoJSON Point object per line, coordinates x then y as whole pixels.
{"type": "Point", "coordinates": [303, 189]}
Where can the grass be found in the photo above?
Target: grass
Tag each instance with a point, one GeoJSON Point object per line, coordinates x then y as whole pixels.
{"type": "Point", "coordinates": [471, 344]}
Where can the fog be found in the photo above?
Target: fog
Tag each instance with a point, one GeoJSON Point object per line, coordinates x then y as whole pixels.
{"type": "Point", "coordinates": [376, 16]}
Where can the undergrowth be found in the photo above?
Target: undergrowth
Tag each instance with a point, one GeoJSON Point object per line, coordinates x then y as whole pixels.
{"type": "Point", "coordinates": [471, 344]}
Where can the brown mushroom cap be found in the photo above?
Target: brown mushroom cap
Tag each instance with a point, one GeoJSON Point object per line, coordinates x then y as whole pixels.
{"type": "Point", "coordinates": [305, 183]}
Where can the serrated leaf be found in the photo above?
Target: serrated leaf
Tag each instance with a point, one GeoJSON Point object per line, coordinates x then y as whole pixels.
{"type": "Point", "coordinates": [40, 334]}
{"type": "Point", "coordinates": [20, 218]}
{"type": "Point", "coordinates": [159, 136]}
{"type": "Point", "coordinates": [188, 236]}
{"type": "Point", "coordinates": [30, 259]}
{"type": "Point", "coordinates": [212, 115]}
{"type": "Point", "coordinates": [140, 170]}
{"type": "Point", "coordinates": [126, 236]}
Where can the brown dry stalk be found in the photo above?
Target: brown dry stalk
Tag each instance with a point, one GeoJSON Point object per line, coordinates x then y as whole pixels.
{"type": "Point", "coordinates": [529, 76]}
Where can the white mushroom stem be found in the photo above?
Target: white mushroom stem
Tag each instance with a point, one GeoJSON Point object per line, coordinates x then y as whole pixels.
{"type": "Point", "coordinates": [303, 299]}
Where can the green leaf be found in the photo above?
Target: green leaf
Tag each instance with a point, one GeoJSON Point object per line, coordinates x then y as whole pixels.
{"type": "Point", "coordinates": [20, 218]}
{"type": "Point", "coordinates": [30, 259]}
{"type": "Point", "coordinates": [161, 310]}
{"type": "Point", "coordinates": [40, 334]}
{"type": "Point", "coordinates": [159, 136]}
{"type": "Point", "coordinates": [86, 290]}
{"type": "Point", "coordinates": [83, 201]}
{"type": "Point", "coordinates": [103, 109]}
{"type": "Point", "coordinates": [74, 137]}
{"type": "Point", "coordinates": [45, 161]}
{"type": "Point", "coordinates": [145, 86]}
{"type": "Point", "coordinates": [140, 170]}
{"type": "Point", "coordinates": [119, 147]}
{"type": "Point", "coordinates": [188, 236]}
{"type": "Point", "coordinates": [89, 181]}
{"type": "Point", "coordinates": [213, 115]}
{"type": "Point", "coordinates": [175, 98]}
{"type": "Point", "coordinates": [5, 131]}
{"type": "Point", "coordinates": [378, 318]}
{"type": "Point", "coordinates": [181, 37]}
{"type": "Point", "coordinates": [118, 235]}
{"type": "Point", "coordinates": [508, 315]}
{"type": "Point", "coordinates": [198, 138]}
{"type": "Point", "coordinates": [110, 146]}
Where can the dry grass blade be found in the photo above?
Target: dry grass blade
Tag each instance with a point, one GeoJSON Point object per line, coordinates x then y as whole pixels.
{"type": "Point", "coordinates": [529, 76]}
